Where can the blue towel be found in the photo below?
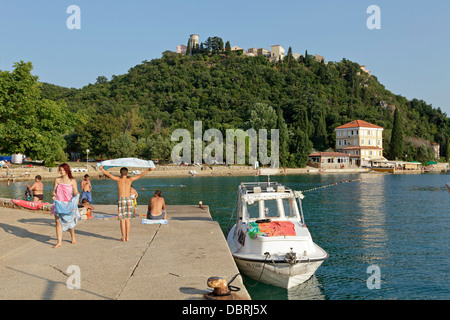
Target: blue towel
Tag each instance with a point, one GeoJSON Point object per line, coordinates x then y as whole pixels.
{"type": "Point", "coordinates": [67, 212]}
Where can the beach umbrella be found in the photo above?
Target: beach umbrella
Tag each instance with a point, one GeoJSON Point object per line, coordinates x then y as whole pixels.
{"type": "Point", "coordinates": [126, 162]}
{"type": "Point", "coordinates": [431, 162]}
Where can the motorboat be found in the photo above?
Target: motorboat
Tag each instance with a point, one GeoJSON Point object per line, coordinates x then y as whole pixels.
{"type": "Point", "coordinates": [270, 241]}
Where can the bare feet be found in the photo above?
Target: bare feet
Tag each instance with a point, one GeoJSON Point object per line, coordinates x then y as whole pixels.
{"type": "Point", "coordinates": [57, 245]}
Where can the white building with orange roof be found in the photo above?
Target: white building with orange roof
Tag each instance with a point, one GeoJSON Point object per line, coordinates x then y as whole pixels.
{"type": "Point", "coordinates": [362, 140]}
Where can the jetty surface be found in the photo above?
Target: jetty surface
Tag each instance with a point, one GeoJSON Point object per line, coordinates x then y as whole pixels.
{"type": "Point", "coordinates": [160, 262]}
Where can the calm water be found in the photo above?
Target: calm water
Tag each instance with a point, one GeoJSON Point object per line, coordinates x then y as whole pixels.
{"type": "Point", "coordinates": [400, 223]}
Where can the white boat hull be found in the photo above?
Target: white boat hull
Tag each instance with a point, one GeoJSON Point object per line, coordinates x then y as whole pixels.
{"type": "Point", "coordinates": [279, 274]}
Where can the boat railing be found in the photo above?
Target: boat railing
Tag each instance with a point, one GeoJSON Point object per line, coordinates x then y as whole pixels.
{"type": "Point", "coordinates": [258, 187]}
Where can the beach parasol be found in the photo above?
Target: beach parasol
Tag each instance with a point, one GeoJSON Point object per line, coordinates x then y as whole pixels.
{"type": "Point", "coordinates": [126, 162]}
{"type": "Point", "coordinates": [431, 162]}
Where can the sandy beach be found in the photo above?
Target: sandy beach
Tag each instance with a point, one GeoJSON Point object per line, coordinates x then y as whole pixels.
{"type": "Point", "coordinates": [25, 173]}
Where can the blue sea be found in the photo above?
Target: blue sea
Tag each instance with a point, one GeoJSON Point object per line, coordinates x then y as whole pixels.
{"type": "Point", "coordinates": [387, 236]}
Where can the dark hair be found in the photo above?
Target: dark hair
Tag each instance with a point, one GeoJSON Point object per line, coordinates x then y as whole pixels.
{"type": "Point", "coordinates": [86, 175]}
{"type": "Point", "coordinates": [158, 193]}
{"type": "Point", "coordinates": [38, 177]}
{"type": "Point", "coordinates": [66, 168]}
{"type": "Point", "coordinates": [124, 171]}
{"type": "Point", "coordinates": [84, 200]}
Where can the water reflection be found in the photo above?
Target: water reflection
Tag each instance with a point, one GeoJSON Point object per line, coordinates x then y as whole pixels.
{"type": "Point", "coordinates": [370, 200]}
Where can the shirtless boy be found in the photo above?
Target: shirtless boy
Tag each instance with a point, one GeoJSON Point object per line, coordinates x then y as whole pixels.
{"type": "Point", "coordinates": [157, 207]}
{"type": "Point", "coordinates": [125, 204]}
{"type": "Point", "coordinates": [38, 189]}
{"type": "Point", "coordinates": [86, 187]}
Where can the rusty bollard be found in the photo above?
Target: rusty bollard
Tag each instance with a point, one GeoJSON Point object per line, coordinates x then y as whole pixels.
{"type": "Point", "coordinates": [219, 285]}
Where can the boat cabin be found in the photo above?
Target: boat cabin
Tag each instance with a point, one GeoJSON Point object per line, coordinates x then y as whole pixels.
{"type": "Point", "coordinates": [262, 200]}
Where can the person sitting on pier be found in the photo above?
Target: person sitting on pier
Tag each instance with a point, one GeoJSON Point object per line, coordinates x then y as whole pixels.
{"type": "Point", "coordinates": [157, 207]}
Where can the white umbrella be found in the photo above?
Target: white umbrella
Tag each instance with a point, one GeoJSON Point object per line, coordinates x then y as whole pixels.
{"type": "Point", "coordinates": [127, 162]}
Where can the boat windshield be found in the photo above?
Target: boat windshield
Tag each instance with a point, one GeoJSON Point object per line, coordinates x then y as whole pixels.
{"type": "Point", "coordinates": [272, 209]}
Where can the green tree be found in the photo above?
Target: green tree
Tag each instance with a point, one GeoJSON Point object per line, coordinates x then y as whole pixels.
{"type": "Point", "coordinates": [283, 138]}
{"type": "Point", "coordinates": [397, 143]}
{"type": "Point", "coordinates": [227, 48]}
{"type": "Point", "coordinates": [300, 147]}
{"type": "Point", "coordinates": [262, 116]}
{"type": "Point", "coordinates": [122, 147]}
{"type": "Point", "coordinates": [447, 151]}
{"type": "Point", "coordinates": [30, 124]}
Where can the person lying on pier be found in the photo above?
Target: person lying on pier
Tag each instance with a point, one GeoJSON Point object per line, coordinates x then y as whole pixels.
{"type": "Point", "coordinates": [125, 203]}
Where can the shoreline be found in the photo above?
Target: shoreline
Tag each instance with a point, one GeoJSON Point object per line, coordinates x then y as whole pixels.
{"type": "Point", "coordinates": [25, 173]}
{"type": "Point", "coordinates": [28, 173]}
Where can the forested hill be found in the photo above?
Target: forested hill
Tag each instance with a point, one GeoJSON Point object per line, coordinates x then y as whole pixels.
{"type": "Point", "coordinates": [134, 114]}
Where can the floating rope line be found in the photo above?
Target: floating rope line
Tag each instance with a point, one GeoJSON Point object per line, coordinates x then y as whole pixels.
{"type": "Point", "coordinates": [334, 184]}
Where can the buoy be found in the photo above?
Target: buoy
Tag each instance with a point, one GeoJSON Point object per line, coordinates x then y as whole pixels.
{"type": "Point", "coordinates": [335, 183]}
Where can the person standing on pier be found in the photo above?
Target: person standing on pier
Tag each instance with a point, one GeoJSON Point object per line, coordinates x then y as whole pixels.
{"type": "Point", "coordinates": [125, 203]}
{"type": "Point", "coordinates": [86, 188]}
{"type": "Point", "coordinates": [65, 205]}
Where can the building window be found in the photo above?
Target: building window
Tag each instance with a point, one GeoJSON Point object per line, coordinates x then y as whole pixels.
{"type": "Point", "coordinates": [362, 142]}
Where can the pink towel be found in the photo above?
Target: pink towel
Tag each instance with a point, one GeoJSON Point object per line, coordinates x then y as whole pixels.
{"type": "Point", "coordinates": [63, 193]}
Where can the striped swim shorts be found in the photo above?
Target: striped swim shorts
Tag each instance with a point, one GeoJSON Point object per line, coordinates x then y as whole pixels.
{"type": "Point", "coordinates": [125, 208]}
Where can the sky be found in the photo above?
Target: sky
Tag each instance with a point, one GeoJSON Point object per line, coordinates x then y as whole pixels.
{"type": "Point", "coordinates": [409, 53]}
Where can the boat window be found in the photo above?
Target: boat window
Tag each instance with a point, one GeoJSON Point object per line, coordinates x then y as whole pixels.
{"type": "Point", "coordinates": [289, 208]}
{"type": "Point", "coordinates": [271, 209]}
{"type": "Point", "coordinates": [253, 210]}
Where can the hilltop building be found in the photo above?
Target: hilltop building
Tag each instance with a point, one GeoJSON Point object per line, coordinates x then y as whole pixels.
{"type": "Point", "coordinates": [194, 40]}
{"type": "Point", "coordinates": [276, 53]}
{"type": "Point", "coordinates": [363, 68]}
{"type": "Point", "coordinates": [236, 48]}
{"type": "Point", "coordinates": [362, 140]}
{"type": "Point", "coordinates": [181, 49]}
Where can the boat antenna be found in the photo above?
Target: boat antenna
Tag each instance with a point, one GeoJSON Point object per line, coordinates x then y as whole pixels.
{"type": "Point", "coordinates": [268, 172]}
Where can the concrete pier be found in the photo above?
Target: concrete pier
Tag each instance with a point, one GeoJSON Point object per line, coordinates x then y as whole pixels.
{"type": "Point", "coordinates": [160, 262]}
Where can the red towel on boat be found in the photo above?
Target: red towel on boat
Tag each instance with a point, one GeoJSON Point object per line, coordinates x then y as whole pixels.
{"type": "Point", "coordinates": [277, 228]}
